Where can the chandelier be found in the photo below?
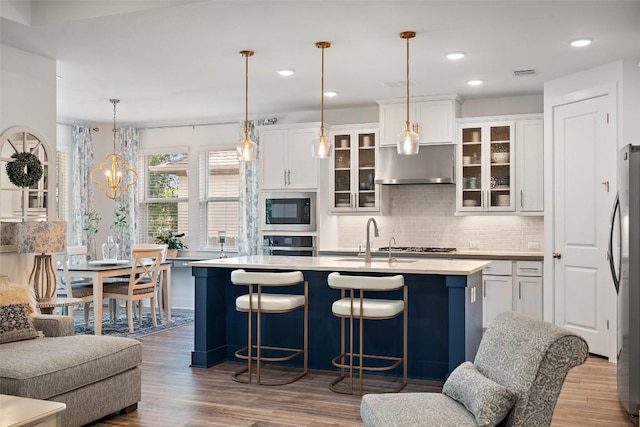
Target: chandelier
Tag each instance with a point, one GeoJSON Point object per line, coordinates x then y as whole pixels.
{"type": "Point", "coordinates": [113, 175]}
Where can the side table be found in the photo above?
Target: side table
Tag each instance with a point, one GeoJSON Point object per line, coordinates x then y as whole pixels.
{"type": "Point", "coordinates": [65, 303]}
{"type": "Point", "coordinates": [22, 412]}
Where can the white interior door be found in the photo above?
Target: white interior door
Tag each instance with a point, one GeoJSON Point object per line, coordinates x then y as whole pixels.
{"type": "Point", "coordinates": [584, 189]}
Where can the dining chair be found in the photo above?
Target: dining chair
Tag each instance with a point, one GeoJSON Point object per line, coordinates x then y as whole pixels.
{"type": "Point", "coordinates": [77, 287]}
{"type": "Point", "coordinates": [143, 280]}
{"type": "Point", "coordinates": [160, 286]}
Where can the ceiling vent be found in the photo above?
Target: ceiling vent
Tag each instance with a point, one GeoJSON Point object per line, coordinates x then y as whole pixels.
{"type": "Point", "coordinates": [521, 73]}
{"type": "Point", "coordinates": [400, 83]}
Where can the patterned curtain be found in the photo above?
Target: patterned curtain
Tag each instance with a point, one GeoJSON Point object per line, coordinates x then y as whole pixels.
{"type": "Point", "coordinates": [82, 202]}
{"type": "Point", "coordinates": [127, 144]}
{"type": "Point", "coordinates": [248, 239]}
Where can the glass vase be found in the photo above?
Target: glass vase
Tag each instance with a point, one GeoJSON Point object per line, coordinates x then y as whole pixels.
{"type": "Point", "coordinates": [110, 249]}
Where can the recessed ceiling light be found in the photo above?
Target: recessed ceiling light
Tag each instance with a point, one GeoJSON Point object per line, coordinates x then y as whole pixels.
{"type": "Point", "coordinates": [330, 93]}
{"type": "Point", "coordinates": [456, 55]}
{"type": "Point", "coordinates": [286, 72]}
{"type": "Point", "coordinates": [475, 82]}
{"type": "Point", "coordinates": [585, 41]}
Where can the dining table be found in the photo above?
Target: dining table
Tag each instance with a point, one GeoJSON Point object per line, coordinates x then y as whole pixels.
{"type": "Point", "coordinates": [99, 270]}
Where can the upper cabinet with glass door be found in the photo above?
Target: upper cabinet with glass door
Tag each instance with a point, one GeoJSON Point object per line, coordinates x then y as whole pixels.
{"type": "Point", "coordinates": [485, 167]}
{"type": "Point", "coordinates": [354, 169]}
{"type": "Point", "coordinates": [29, 201]}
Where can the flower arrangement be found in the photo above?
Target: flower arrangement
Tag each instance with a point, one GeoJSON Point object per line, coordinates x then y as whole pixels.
{"type": "Point", "coordinates": [171, 239]}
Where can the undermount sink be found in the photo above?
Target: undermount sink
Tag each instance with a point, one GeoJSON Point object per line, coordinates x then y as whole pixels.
{"type": "Point", "coordinates": [385, 260]}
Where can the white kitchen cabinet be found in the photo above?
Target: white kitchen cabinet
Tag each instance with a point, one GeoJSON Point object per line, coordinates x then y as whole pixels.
{"type": "Point", "coordinates": [529, 165]}
{"type": "Point", "coordinates": [286, 162]}
{"type": "Point", "coordinates": [353, 169]}
{"type": "Point", "coordinates": [497, 292]}
{"type": "Point", "coordinates": [435, 117]}
{"type": "Point", "coordinates": [485, 166]}
{"type": "Point", "coordinates": [528, 288]}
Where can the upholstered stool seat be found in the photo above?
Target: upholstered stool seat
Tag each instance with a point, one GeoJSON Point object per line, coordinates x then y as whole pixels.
{"type": "Point", "coordinates": [259, 302]}
{"type": "Point", "coordinates": [354, 308]}
{"type": "Point", "coordinates": [271, 303]}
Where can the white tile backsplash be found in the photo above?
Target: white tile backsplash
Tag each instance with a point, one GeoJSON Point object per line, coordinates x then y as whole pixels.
{"type": "Point", "coordinates": [423, 215]}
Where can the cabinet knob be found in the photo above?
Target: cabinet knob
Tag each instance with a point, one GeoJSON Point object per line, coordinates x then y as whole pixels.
{"type": "Point", "coordinates": [557, 255]}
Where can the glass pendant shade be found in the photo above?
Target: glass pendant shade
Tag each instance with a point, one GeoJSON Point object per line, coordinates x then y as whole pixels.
{"type": "Point", "coordinates": [247, 149]}
{"type": "Point", "coordinates": [408, 142]}
{"type": "Point", "coordinates": [322, 147]}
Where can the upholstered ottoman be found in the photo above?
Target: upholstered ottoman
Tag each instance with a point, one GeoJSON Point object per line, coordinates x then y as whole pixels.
{"type": "Point", "coordinates": [93, 375]}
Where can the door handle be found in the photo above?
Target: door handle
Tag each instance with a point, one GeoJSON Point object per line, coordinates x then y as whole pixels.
{"type": "Point", "coordinates": [519, 290]}
{"type": "Point", "coordinates": [288, 176]}
{"type": "Point", "coordinates": [606, 185]}
{"type": "Point", "coordinates": [484, 288]}
{"type": "Point", "coordinates": [284, 172]}
{"type": "Point", "coordinates": [521, 197]}
{"type": "Point", "coordinates": [557, 255]}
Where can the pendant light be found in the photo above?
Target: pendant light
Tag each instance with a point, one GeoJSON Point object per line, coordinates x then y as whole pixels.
{"type": "Point", "coordinates": [408, 139]}
{"type": "Point", "coordinates": [117, 176]}
{"type": "Point", "coordinates": [247, 149]}
{"type": "Point", "coordinates": [322, 143]}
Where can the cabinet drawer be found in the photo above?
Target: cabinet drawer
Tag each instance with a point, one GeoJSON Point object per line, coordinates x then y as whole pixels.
{"type": "Point", "coordinates": [529, 268]}
{"type": "Point", "coordinates": [180, 264]}
{"type": "Point", "coordinates": [498, 268]}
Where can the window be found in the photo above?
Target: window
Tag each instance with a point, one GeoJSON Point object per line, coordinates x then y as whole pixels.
{"type": "Point", "coordinates": [219, 197]}
{"type": "Point", "coordinates": [163, 194]}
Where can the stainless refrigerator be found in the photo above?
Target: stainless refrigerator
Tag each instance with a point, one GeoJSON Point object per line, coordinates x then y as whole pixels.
{"type": "Point", "coordinates": [624, 259]}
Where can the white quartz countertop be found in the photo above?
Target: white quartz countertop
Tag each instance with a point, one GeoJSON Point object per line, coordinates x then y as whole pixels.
{"type": "Point", "coordinates": [458, 254]}
{"type": "Point", "coordinates": [331, 263]}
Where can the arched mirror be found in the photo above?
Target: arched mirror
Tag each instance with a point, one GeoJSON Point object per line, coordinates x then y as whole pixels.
{"type": "Point", "coordinates": [25, 173]}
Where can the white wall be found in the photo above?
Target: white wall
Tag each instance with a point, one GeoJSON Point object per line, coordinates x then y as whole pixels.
{"type": "Point", "coordinates": [27, 98]}
{"type": "Point", "coordinates": [504, 105]}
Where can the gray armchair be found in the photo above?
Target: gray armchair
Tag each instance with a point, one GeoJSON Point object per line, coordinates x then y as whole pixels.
{"type": "Point", "coordinates": [527, 357]}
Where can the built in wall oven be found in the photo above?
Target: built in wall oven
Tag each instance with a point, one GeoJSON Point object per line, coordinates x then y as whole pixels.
{"type": "Point", "coordinates": [288, 245]}
{"type": "Point", "coordinates": [288, 211]}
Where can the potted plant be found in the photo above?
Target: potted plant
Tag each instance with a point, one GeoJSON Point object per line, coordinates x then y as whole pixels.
{"type": "Point", "coordinates": [173, 241]}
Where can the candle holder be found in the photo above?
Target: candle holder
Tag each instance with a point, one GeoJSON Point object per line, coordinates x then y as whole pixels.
{"type": "Point", "coordinates": [222, 236]}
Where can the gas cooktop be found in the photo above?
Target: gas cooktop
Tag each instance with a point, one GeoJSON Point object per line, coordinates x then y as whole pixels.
{"type": "Point", "coordinates": [415, 249]}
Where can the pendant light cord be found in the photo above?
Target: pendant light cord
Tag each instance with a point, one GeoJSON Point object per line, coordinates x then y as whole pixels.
{"type": "Point", "coordinates": [322, 97]}
{"type": "Point", "coordinates": [407, 123]}
{"type": "Point", "coordinates": [114, 102]}
{"type": "Point", "coordinates": [246, 97]}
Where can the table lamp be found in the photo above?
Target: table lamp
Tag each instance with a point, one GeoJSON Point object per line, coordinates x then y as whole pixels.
{"type": "Point", "coordinates": [43, 238]}
{"type": "Point", "coordinates": [222, 236]}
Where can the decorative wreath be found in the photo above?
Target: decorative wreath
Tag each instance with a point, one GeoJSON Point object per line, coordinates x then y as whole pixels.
{"type": "Point", "coordinates": [25, 170]}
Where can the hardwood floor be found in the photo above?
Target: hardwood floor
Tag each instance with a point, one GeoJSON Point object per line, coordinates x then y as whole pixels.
{"type": "Point", "coordinates": [173, 394]}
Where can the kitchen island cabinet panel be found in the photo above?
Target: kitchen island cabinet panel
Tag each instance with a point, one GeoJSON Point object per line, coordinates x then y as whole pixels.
{"type": "Point", "coordinates": [445, 320]}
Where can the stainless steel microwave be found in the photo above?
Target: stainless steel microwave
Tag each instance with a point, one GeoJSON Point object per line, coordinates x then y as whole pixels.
{"type": "Point", "coordinates": [288, 211]}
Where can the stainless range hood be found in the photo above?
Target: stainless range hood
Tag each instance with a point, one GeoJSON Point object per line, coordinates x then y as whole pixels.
{"type": "Point", "coordinates": [434, 164]}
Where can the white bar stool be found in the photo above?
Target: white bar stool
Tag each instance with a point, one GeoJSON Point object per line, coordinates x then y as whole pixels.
{"type": "Point", "coordinates": [259, 303]}
{"type": "Point", "coordinates": [353, 306]}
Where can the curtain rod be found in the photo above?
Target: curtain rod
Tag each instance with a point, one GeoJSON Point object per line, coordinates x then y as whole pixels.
{"type": "Point", "coordinates": [94, 128]}
{"type": "Point", "coordinates": [190, 125]}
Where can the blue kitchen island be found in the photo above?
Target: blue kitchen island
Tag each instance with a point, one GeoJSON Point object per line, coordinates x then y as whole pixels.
{"type": "Point", "coordinates": [444, 309]}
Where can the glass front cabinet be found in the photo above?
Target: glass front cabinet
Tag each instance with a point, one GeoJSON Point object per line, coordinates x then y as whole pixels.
{"type": "Point", "coordinates": [485, 167]}
{"type": "Point", "coordinates": [353, 170]}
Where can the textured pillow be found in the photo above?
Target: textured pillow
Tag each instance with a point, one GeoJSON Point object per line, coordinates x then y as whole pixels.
{"type": "Point", "coordinates": [488, 401]}
{"type": "Point", "coordinates": [12, 293]}
{"type": "Point", "coordinates": [15, 323]}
